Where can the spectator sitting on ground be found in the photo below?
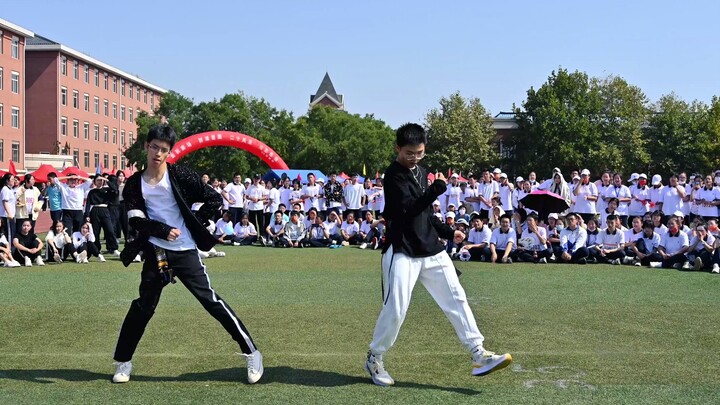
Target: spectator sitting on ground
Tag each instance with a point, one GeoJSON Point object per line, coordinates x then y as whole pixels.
{"type": "Point", "coordinates": [59, 244]}
{"type": "Point", "coordinates": [294, 231]}
{"type": "Point", "coordinates": [309, 219]}
{"type": "Point", "coordinates": [224, 229]}
{"type": "Point", "coordinates": [673, 245]}
{"type": "Point", "coordinates": [244, 233]}
{"type": "Point", "coordinates": [502, 243]}
{"type": "Point", "coordinates": [84, 243]}
{"type": "Point", "coordinates": [5, 253]}
{"type": "Point", "coordinates": [28, 247]}
{"type": "Point", "coordinates": [318, 235]}
{"type": "Point", "coordinates": [333, 225]}
{"type": "Point", "coordinates": [369, 232]}
{"type": "Point", "coordinates": [478, 241]}
{"type": "Point", "coordinates": [534, 248]}
{"type": "Point", "coordinates": [275, 230]}
{"type": "Point", "coordinates": [350, 231]}
{"type": "Point", "coordinates": [702, 247]}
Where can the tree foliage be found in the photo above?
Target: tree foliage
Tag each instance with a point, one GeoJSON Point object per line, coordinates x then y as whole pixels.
{"type": "Point", "coordinates": [461, 136]}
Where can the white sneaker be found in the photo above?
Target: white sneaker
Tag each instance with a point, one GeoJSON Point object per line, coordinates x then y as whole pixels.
{"type": "Point", "coordinates": [628, 260]}
{"type": "Point", "coordinates": [686, 266]}
{"type": "Point", "coordinates": [203, 255]}
{"type": "Point", "coordinates": [122, 372]}
{"type": "Point", "coordinates": [116, 253]}
{"type": "Point", "coordinates": [698, 264]}
{"type": "Point", "coordinates": [81, 257]}
{"type": "Point", "coordinates": [655, 265]}
{"type": "Point", "coordinates": [28, 262]}
{"type": "Point", "coordinates": [13, 263]}
{"type": "Point", "coordinates": [542, 261]}
{"type": "Point", "coordinates": [85, 260]}
{"type": "Point", "coordinates": [219, 254]}
{"type": "Point", "coordinates": [637, 263]}
{"type": "Point", "coordinates": [485, 362]}
{"type": "Point", "coordinates": [254, 366]}
{"type": "Point", "coordinates": [345, 243]}
{"type": "Point", "coordinates": [236, 243]}
{"type": "Point", "coordinates": [39, 261]}
{"type": "Point", "coordinates": [363, 245]}
{"type": "Point", "coordinates": [137, 259]}
{"type": "Point", "coordinates": [716, 268]}
{"type": "Point", "coordinates": [57, 258]}
{"type": "Point", "coordinates": [374, 367]}
{"type": "Point", "coordinates": [101, 258]}
{"type": "Point", "coordinates": [616, 262]}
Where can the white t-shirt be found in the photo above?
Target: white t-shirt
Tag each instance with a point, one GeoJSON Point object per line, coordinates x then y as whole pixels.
{"type": "Point", "coordinates": [500, 240]}
{"type": "Point", "coordinates": [273, 200]}
{"type": "Point", "coordinates": [602, 190]}
{"type": "Point", "coordinates": [709, 196]}
{"type": "Point", "coordinates": [353, 195]}
{"type": "Point", "coordinates": [673, 244]}
{"type": "Point", "coordinates": [671, 200]}
{"type": "Point", "coordinates": [332, 227]}
{"type": "Point", "coordinates": [476, 237]}
{"type": "Point", "coordinates": [295, 196]}
{"type": "Point", "coordinates": [244, 231]}
{"type": "Point", "coordinates": [637, 207]}
{"type": "Point", "coordinates": [7, 195]}
{"type": "Point", "coordinates": [73, 197]}
{"type": "Point", "coordinates": [350, 229]}
{"type": "Point", "coordinates": [619, 192]}
{"type": "Point", "coordinates": [313, 191]}
{"type": "Point", "coordinates": [536, 241]}
{"type": "Point", "coordinates": [161, 206]}
{"type": "Point", "coordinates": [223, 228]}
{"type": "Point", "coordinates": [58, 240]}
{"type": "Point", "coordinates": [366, 227]}
{"type": "Point", "coordinates": [275, 227]}
{"type": "Point", "coordinates": [236, 192]}
{"type": "Point", "coordinates": [379, 204]}
{"type": "Point", "coordinates": [505, 196]}
{"type": "Point", "coordinates": [656, 194]}
{"type": "Point", "coordinates": [453, 194]}
{"type": "Point", "coordinates": [699, 248]}
{"type": "Point", "coordinates": [255, 192]}
{"type": "Point", "coordinates": [610, 241]}
{"type": "Point", "coordinates": [487, 190]}
{"type": "Point", "coordinates": [582, 205]}
{"type": "Point", "coordinates": [285, 197]}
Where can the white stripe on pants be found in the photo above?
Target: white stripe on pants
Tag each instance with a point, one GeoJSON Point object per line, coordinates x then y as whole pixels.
{"type": "Point", "coordinates": [437, 274]}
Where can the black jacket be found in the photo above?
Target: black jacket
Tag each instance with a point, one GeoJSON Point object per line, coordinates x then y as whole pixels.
{"type": "Point", "coordinates": [187, 188]}
{"type": "Point", "coordinates": [412, 228]}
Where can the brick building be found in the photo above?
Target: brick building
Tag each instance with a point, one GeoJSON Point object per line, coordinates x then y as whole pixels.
{"type": "Point", "coordinates": [12, 93]}
{"type": "Point", "coordinates": [80, 106]}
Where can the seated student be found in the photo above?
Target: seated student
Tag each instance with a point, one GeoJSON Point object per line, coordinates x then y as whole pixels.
{"type": "Point", "coordinates": [619, 224]}
{"type": "Point", "coordinates": [645, 249]}
{"type": "Point", "coordinates": [611, 243]}
{"type": "Point", "coordinates": [632, 235]}
{"type": "Point", "coordinates": [502, 243]}
{"type": "Point", "coordinates": [673, 245]}
{"type": "Point", "coordinates": [702, 247]}
{"type": "Point", "coordinates": [537, 250]}
{"type": "Point", "coordinates": [309, 219]}
{"type": "Point", "coordinates": [712, 228]}
{"type": "Point", "coordinates": [681, 222]}
{"type": "Point", "coordinates": [452, 247]}
{"type": "Point", "coordinates": [496, 212]}
{"type": "Point", "coordinates": [368, 232]}
{"type": "Point", "coordinates": [572, 242]}
{"type": "Point", "coordinates": [283, 209]}
{"type": "Point", "coordinates": [297, 207]}
{"type": "Point", "coordinates": [592, 240]}
{"type": "Point", "coordinates": [294, 232]}
{"type": "Point", "coordinates": [275, 230]}
{"type": "Point", "coordinates": [59, 244]}
{"type": "Point", "coordinates": [657, 219]}
{"type": "Point", "coordinates": [333, 224]}
{"type": "Point", "coordinates": [244, 233]}
{"type": "Point", "coordinates": [224, 229]}
{"type": "Point", "coordinates": [611, 209]}
{"type": "Point", "coordinates": [6, 254]}
{"type": "Point", "coordinates": [350, 231]}
{"type": "Point", "coordinates": [318, 235]}
{"type": "Point", "coordinates": [518, 223]}
{"type": "Point", "coordinates": [84, 243]}
{"type": "Point", "coordinates": [554, 227]}
{"type": "Point", "coordinates": [478, 240]}
{"type": "Point", "coordinates": [28, 247]}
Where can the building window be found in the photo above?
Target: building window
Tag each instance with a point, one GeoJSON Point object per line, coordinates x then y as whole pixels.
{"type": "Point", "coordinates": [15, 51]}
{"type": "Point", "coordinates": [152, 102]}
{"type": "Point", "coordinates": [15, 151]}
{"type": "Point", "coordinates": [123, 162]}
{"type": "Point", "coordinates": [105, 107]}
{"type": "Point", "coordinates": [75, 98]}
{"type": "Point", "coordinates": [96, 132]}
{"type": "Point", "coordinates": [115, 135]}
{"type": "Point", "coordinates": [87, 74]}
{"type": "Point", "coordinates": [114, 111]}
{"type": "Point", "coordinates": [114, 84]}
{"type": "Point", "coordinates": [114, 162]}
{"type": "Point", "coordinates": [130, 112]}
{"type": "Point", "coordinates": [1, 73]}
{"type": "Point", "coordinates": [144, 96]}
{"type": "Point", "coordinates": [86, 101]}
{"type": "Point", "coordinates": [105, 81]}
{"type": "Point", "coordinates": [76, 128]}
{"type": "Point", "coordinates": [15, 119]}
{"type": "Point", "coordinates": [15, 82]}
{"type": "Point", "coordinates": [1, 43]}
{"type": "Point", "coordinates": [122, 112]}
{"type": "Point", "coordinates": [63, 66]}
{"type": "Point", "coordinates": [75, 70]}
{"type": "Point", "coordinates": [122, 137]}
{"type": "Point", "coordinates": [2, 147]}
{"type": "Point", "coordinates": [1, 115]}
{"type": "Point", "coordinates": [97, 78]}
{"type": "Point", "coordinates": [105, 134]}
{"type": "Point", "coordinates": [105, 160]}
{"type": "Point", "coordinates": [122, 87]}
{"type": "Point", "coordinates": [63, 95]}
{"type": "Point", "coordinates": [76, 156]}
{"type": "Point", "coordinates": [137, 93]}
{"type": "Point", "coordinates": [97, 159]}
{"type": "Point", "coordinates": [96, 102]}
{"type": "Point", "coordinates": [130, 87]}
{"type": "Point", "coordinates": [86, 130]}
{"type": "Point", "coordinates": [63, 126]}
{"type": "Point", "coordinates": [86, 158]}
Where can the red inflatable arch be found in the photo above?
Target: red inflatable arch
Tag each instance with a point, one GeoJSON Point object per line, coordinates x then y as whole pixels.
{"type": "Point", "coordinates": [227, 138]}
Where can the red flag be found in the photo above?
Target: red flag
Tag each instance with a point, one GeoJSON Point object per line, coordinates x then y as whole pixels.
{"type": "Point", "coordinates": [299, 177]}
{"type": "Point", "coordinates": [11, 169]}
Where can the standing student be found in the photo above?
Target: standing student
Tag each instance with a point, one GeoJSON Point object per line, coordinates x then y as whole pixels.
{"type": "Point", "coordinates": [53, 198]}
{"type": "Point", "coordinates": [505, 193]}
{"type": "Point", "coordinates": [28, 202]}
{"type": "Point", "coordinates": [8, 201]}
{"type": "Point", "coordinates": [97, 212]}
{"type": "Point", "coordinates": [255, 197]}
{"type": "Point", "coordinates": [671, 197]}
{"type": "Point", "coordinates": [157, 200]}
{"type": "Point", "coordinates": [353, 196]}
{"type": "Point", "coordinates": [707, 199]}
{"type": "Point", "coordinates": [234, 194]}
{"type": "Point", "coordinates": [333, 192]}
{"type": "Point", "coordinates": [620, 192]}
{"type": "Point", "coordinates": [586, 196]}
{"type": "Point", "coordinates": [413, 252]}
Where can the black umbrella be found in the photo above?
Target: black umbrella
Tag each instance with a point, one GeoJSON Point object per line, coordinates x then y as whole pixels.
{"type": "Point", "coordinates": [544, 202]}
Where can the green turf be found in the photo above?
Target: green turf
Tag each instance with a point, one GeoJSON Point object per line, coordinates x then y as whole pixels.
{"type": "Point", "coordinates": [583, 334]}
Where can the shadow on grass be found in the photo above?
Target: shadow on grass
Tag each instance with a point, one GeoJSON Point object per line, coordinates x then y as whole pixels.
{"type": "Point", "coordinates": [280, 375]}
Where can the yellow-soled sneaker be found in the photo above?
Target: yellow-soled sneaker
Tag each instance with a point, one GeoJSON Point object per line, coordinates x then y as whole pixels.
{"type": "Point", "coordinates": [485, 362]}
{"type": "Point", "coordinates": [374, 367]}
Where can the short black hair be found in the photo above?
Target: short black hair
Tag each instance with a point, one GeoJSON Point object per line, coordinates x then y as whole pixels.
{"type": "Point", "coordinates": [410, 134]}
{"type": "Point", "coordinates": [163, 133]}
{"type": "Point", "coordinates": [611, 217]}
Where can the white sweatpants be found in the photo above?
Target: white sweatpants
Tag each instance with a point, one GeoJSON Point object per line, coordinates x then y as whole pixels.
{"type": "Point", "coordinates": [437, 274]}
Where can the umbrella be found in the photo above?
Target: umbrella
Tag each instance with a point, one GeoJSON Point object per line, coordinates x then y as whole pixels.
{"type": "Point", "coordinates": [76, 171]}
{"type": "Point", "coordinates": [544, 202]}
{"type": "Point", "coordinates": [41, 174]}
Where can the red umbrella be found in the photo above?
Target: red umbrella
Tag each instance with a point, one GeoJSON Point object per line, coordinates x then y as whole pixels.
{"type": "Point", "coordinates": [76, 171]}
{"type": "Point", "coordinates": [343, 176]}
{"type": "Point", "coordinates": [41, 174]}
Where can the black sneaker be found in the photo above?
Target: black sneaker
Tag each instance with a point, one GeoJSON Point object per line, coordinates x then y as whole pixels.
{"type": "Point", "coordinates": [582, 261]}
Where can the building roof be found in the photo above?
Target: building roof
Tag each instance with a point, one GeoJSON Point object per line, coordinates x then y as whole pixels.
{"type": "Point", "coordinates": [326, 89]}
{"type": "Point", "coordinates": [40, 43]}
{"type": "Point", "coordinates": [5, 24]}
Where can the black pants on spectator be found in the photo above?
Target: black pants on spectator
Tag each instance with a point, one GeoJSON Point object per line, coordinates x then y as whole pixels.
{"type": "Point", "coordinates": [618, 254]}
{"type": "Point", "coordinates": [355, 239]}
{"type": "Point", "coordinates": [100, 218]}
{"type": "Point", "coordinates": [337, 238]}
{"type": "Point", "coordinates": [478, 254]}
{"type": "Point", "coordinates": [120, 220]}
{"type": "Point", "coordinates": [246, 241]}
{"type": "Point", "coordinates": [257, 218]}
{"type": "Point", "coordinates": [674, 259]}
{"type": "Point", "coordinates": [90, 248]}
{"type": "Point", "coordinates": [575, 257]}
{"type": "Point", "coordinates": [655, 257]}
{"type": "Point", "coordinates": [705, 256]}
{"type": "Point", "coordinates": [532, 256]}
{"type": "Point", "coordinates": [65, 252]}
{"type": "Point", "coordinates": [56, 215]}
{"type": "Point", "coordinates": [21, 255]}
{"type": "Point", "coordinates": [73, 220]}
{"type": "Point", "coordinates": [267, 217]}
{"type": "Point", "coordinates": [190, 270]}
{"type": "Point", "coordinates": [500, 253]}
{"type": "Point", "coordinates": [8, 229]}
{"type": "Point", "coordinates": [317, 242]}
{"type": "Point", "coordinates": [236, 214]}
{"type": "Point", "coordinates": [372, 234]}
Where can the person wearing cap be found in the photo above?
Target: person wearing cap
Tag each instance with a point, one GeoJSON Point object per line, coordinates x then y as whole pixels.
{"type": "Point", "coordinates": [673, 246]}
{"type": "Point", "coordinates": [453, 193]}
{"type": "Point", "coordinates": [586, 195]}
{"type": "Point", "coordinates": [620, 192]}
{"type": "Point", "coordinates": [353, 195]}
{"type": "Point", "coordinates": [505, 193]}
{"type": "Point", "coordinates": [572, 242]}
{"type": "Point", "coordinates": [450, 218]}
{"type": "Point", "coordinates": [681, 222]}
{"type": "Point", "coordinates": [554, 227]}
{"type": "Point", "coordinates": [515, 197]}
{"type": "Point", "coordinates": [478, 241]}
{"type": "Point", "coordinates": [672, 196]}
{"type": "Point", "coordinates": [503, 242]}
{"type": "Point", "coordinates": [656, 188]}
{"type": "Point", "coordinates": [537, 251]}
{"type": "Point", "coordinates": [496, 174]}
{"type": "Point", "coordinates": [437, 211]}
{"type": "Point", "coordinates": [707, 199]}
{"type": "Point", "coordinates": [247, 183]}
{"type": "Point", "coordinates": [640, 202]}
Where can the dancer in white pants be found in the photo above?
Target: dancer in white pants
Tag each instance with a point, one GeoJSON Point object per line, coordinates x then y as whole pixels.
{"type": "Point", "coordinates": [413, 252]}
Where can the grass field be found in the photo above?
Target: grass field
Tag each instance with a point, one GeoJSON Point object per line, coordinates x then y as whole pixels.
{"type": "Point", "coordinates": [583, 334]}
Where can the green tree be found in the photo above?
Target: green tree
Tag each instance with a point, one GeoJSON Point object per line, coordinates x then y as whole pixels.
{"type": "Point", "coordinates": [460, 135]}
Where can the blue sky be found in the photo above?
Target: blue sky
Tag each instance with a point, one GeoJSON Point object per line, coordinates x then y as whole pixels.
{"type": "Point", "coordinates": [391, 59]}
